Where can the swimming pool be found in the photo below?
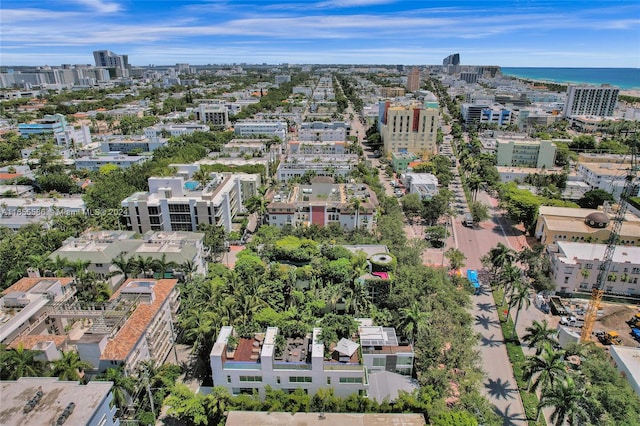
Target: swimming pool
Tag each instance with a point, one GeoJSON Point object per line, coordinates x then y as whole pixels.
{"type": "Point", "coordinates": [191, 185]}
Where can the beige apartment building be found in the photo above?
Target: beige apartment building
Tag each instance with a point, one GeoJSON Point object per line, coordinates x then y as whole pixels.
{"type": "Point", "coordinates": [411, 127]}
{"type": "Point", "coordinates": [583, 225]}
{"type": "Point", "coordinates": [526, 153]}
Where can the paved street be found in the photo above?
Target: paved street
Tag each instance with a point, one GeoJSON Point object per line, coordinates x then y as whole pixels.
{"type": "Point", "coordinates": [500, 385]}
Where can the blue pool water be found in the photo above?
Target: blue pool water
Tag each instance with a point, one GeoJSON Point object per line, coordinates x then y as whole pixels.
{"type": "Point", "coordinates": [191, 185]}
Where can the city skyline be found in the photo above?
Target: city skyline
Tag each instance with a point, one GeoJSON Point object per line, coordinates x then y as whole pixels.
{"type": "Point", "coordinates": [506, 33]}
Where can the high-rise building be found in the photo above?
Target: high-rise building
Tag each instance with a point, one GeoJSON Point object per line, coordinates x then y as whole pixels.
{"type": "Point", "coordinates": [598, 101]}
{"type": "Point", "coordinates": [410, 127]}
{"type": "Point", "coordinates": [451, 60]}
{"type": "Point", "coordinates": [413, 80]}
{"type": "Point", "coordinates": [108, 59]}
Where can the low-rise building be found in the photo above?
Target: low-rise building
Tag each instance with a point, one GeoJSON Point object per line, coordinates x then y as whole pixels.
{"type": "Point", "coordinates": [18, 212]}
{"type": "Point", "coordinates": [322, 203]}
{"type": "Point", "coordinates": [605, 171]}
{"type": "Point", "coordinates": [214, 114]}
{"type": "Point", "coordinates": [575, 267]}
{"type": "Point", "coordinates": [128, 144]}
{"type": "Point", "coordinates": [307, 363]}
{"type": "Point", "coordinates": [94, 163]}
{"type": "Point", "coordinates": [583, 225]}
{"type": "Point", "coordinates": [36, 401]}
{"type": "Point", "coordinates": [423, 184]}
{"type": "Point", "coordinates": [400, 161]}
{"type": "Point", "coordinates": [297, 147]}
{"type": "Point", "coordinates": [24, 305]}
{"type": "Point", "coordinates": [263, 128]}
{"type": "Point", "coordinates": [627, 361]}
{"type": "Point", "coordinates": [174, 130]}
{"type": "Point", "coordinates": [181, 203]}
{"type": "Point", "coordinates": [526, 153]}
{"type": "Point", "coordinates": [334, 165]}
{"type": "Point", "coordinates": [102, 248]}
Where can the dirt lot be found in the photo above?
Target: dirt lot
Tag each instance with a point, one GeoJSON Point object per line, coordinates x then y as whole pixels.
{"type": "Point", "coordinates": [612, 316]}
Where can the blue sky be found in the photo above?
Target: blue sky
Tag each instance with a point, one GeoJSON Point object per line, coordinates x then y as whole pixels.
{"type": "Point", "coordinates": [508, 33]}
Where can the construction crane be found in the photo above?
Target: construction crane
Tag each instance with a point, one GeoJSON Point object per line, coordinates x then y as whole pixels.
{"type": "Point", "coordinates": [598, 289]}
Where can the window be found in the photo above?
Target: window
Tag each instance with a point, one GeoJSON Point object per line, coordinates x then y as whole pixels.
{"type": "Point", "coordinates": [379, 362]}
{"type": "Point", "coordinates": [299, 379]}
{"type": "Point", "coordinates": [328, 380]}
{"type": "Point", "coordinates": [351, 380]}
{"type": "Point", "coordinates": [635, 271]}
{"type": "Point", "coordinates": [99, 265]}
{"type": "Point", "coordinates": [103, 420]}
{"type": "Point", "coordinates": [404, 360]}
{"type": "Point", "coordinates": [228, 379]}
{"type": "Point", "coordinates": [588, 266]}
{"type": "Point", "coordinates": [278, 380]}
{"type": "Point", "coordinates": [250, 378]}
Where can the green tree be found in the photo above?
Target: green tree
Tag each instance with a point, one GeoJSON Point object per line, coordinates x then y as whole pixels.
{"type": "Point", "coordinates": [569, 401]}
{"type": "Point", "coordinates": [20, 362]}
{"type": "Point", "coordinates": [412, 206]}
{"type": "Point", "coordinates": [123, 386]}
{"type": "Point", "coordinates": [70, 367]}
{"type": "Point", "coordinates": [539, 335]}
{"type": "Point", "coordinates": [456, 258]}
{"type": "Point", "coordinates": [412, 319]}
{"type": "Point", "coordinates": [545, 369]}
{"type": "Point", "coordinates": [518, 299]}
{"type": "Point", "coordinates": [186, 406]}
{"type": "Point", "coordinates": [479, 211]}
{"type": "Point", "coordinates": [595, 198]}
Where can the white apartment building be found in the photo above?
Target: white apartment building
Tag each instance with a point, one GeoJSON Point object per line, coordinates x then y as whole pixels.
{"type": "Point", "coordinates": [525, 153]}
{"type": "Point", "coordinates": [100, 248]}
{"type": "Point", "coordinates": [180, 203]}
{"type": "Point", "coordinates": [136, 325]}
{"type": "Point", "coordinates": [174, 130]}
{"type": "Point", "coordinates": [255, 363]}
{"type": "Point", "coordinates": [323, 203]}
{"type": "Point", "coordinates": [95, 162]}
{"type": "Point", "coordinates": [608, 176]}
{"type": "Point", "coordinates": [423, 184]}
{"type": "Point", "coordinates": [92, 404]}
{"type": "Point", "coordinates": [409, 127]}
{"type": "Point", "coordinates": [319, 131]}
{"type": "Point", "coordinates": [264, 128]}
{"type": "Point", "coordinates": [18, 212]}
{"type": "Point", "coordinates": [296, 165]}
{"type": "Point", "coordinates": [570, 260]}
{"type": "Point", "coordinates": [216, 115]}
{"type": "Point", "coordinates": [127, 144]}
{"type": "Point", "coordinates": [597, 101]}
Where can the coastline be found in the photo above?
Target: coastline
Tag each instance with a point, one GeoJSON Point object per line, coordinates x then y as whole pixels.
{"type": "Point", "coordinates": [625, 79]}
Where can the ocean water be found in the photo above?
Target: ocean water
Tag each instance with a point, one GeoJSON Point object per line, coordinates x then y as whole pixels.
{"type": "Point", "coordinates": [624, 78]}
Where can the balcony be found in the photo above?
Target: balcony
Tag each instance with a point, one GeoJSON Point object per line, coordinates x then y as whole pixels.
{"type": "Point", "coordinates": [301, 366]}
{"type": "Point", "coordinates": [241, 365]}
{"type": "Point", "coordinates": [334, 366]}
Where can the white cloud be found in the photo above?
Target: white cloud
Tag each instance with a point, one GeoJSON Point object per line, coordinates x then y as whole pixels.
{"type": "Point", "coordinates": [101, 6]}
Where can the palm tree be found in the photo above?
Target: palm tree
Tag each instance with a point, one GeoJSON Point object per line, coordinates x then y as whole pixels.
{"type": "Point", "coordinates": [70, 367]}
{"type": "Point", "coordinates": [519, 297]}
{"type": "Point", "coordinates": [548, 367]}
{"type": "Point", "coordinates": [199, 326]}
{"type": "Point", "coordinates": [123, 386]}
{"type": "Point", "coordinates": [413, 319]}
{"type": "Point", "coordinates": [539, 334]}
{"type": "Point", "coordinates": [79, 268]}
{"type": "Point", "coordinates": [508, 278]}
{"type": "Point", "coordinates": [356, 206]}
{"type": "Point", "coordinates": [570, 401]}
{"type": "Point", "coordinates": [124, 266]}
{"type": "Point", "coordinates": [456, 258]}
{"type": "Point", "coordinates": [161, 266]}
{"type": "Point", "coordinates": [202, 177]}
{"type": "Point", "coordinates": [144, 265]}
{"type": "Point", "coordinates": [500, 256]}
{"type": "Point", "coordinates": [20, 362]}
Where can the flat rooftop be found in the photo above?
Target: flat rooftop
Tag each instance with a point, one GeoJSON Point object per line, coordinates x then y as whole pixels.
{"type": "Point", "coordinates": [56, 397]}
{"type": "Point", "coordinates": [251, 418]}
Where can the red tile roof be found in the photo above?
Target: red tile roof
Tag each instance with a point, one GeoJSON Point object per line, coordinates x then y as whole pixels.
{"type": "Point", "coordinates": [27, 283]}
{"type": "Point", "coordinates": [126, 339]}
